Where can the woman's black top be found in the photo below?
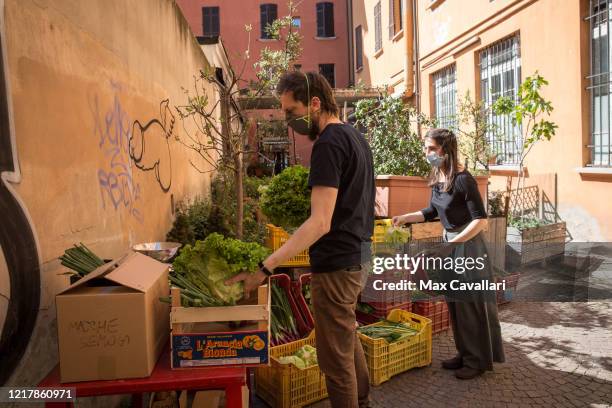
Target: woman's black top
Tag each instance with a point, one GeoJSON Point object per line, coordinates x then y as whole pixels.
{"type": "Point", "coordinates": [459, 205]}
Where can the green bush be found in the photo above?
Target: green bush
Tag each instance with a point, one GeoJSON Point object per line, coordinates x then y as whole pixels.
{"type": "Point", "coordinates": [286, 200]}
{"type": "Point", "coordinates": [197, 219]}
{"type": "Point", "coordinates": [526, 222]}
{"type": "Point", "coordinates": [496, 203]}
{"type": "Point", "coordinates": [390, 127]}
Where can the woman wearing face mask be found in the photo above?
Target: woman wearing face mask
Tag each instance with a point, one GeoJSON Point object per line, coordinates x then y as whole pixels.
{"type": "Point", "coordinates": [455, 199]}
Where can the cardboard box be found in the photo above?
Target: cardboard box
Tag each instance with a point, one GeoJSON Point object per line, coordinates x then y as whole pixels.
{"type": "Point", "coordinates": [111, 323]}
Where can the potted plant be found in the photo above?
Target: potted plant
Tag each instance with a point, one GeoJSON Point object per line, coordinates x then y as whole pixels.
{"type": "Point", "coordinates": [495, 234]}
{"type": "Point", "coordinates": [474, 130]}
{"type": "Point", "coordinates": [285, 201]}
{"type": "Point", "coordinates": [399, 162]}
{"type": "Point", "coordinates": [533, 238]}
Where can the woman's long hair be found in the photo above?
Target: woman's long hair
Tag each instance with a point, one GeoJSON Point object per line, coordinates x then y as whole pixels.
{"type": "Point", "coordinates": [448, 141]}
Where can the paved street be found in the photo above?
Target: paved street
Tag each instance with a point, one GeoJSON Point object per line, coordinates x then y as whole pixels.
{"type": "Point", "coordinates": [558, 354]}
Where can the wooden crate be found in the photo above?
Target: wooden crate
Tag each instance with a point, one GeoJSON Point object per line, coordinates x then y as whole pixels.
{"type": "Point", "coordinates": [495, 238]}
{"type": "Point", "coordinates": [220, 336]}
{"type": "Point", "coordinates": [539, 243]}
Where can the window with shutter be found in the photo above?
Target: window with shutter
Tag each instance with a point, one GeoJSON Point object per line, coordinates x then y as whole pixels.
{"type": "Point", "coordinates": [395, 17]}
{"type": "Point", "coordinates": [325, 19]}
{"type": "Point", "coordinates": [600, 86]}
{"type": "Point", "coordinates": [358, 47]}
{"type": "Point", "coordinates": [327, 70]}
{"type": "Point", "coordinates": [268, 13]}
{"type": "Point", "coordinates": [210, 21]}
{"type": "Point", "coordinates": [377, 28]}
{"type": "Point", "coordinates": [444, 93]}
{"type": "Point", "coordinates": [500, 75]}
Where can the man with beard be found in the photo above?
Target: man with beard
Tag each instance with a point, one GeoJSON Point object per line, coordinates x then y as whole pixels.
{"type": "Point", "coordinates": [338, 232]}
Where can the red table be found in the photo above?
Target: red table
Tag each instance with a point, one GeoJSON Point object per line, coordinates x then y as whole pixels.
{"type": "Point", "coordinates": [163, 378]}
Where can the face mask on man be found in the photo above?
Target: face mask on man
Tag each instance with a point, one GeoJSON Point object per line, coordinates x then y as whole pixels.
{"type": "Point", "coordinates": [305, 125]}
{"type": "Point", "coordinates": [435, 160]}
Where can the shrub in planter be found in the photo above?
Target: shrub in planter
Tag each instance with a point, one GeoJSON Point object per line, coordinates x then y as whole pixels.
{"type": "Point", "coordinates": [389, 125]}
{"type": "Point", "coordinates": [535, 239]}
{"type": "Point", "coordinates": [286, 199]}
{"type": "Point", "coordinates": [197, 219]}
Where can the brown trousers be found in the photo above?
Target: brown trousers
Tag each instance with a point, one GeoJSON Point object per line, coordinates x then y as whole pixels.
{"type": "Point", "coordinates": [339, 350]}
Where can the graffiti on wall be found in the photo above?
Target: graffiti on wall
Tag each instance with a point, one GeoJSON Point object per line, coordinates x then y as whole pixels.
{"type": "Point", "coordinates": [160, 129]}
{"type": "Point", "coordinates": [123, 143]}
{"type": "Point", "coordinates": [116, 180]}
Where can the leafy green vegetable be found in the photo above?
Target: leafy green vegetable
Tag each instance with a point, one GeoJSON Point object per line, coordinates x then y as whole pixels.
{"type": "Point", "coordinates": [390, 331]}
{"type": "Point", "coordinates": [81, 260]}
{"type": "Point", "coordinates": [364, 308]}
{"type": "Point", "coordinates": [526, 222]}
{"type": "Point", "coordinates": [305, 357]}
{"type": "Point", "coordinates": [397, 235]}
{"type": "Point", "coordinates": [308, 354]}
{"type": "Point", "coordinates": [202, 269]}
{"type": "Point", "coordinates": [282, 323]}
{"type": "Point", "coordinates": [295, 360]}
{"type": "Point", "coordinates": [286, 200]}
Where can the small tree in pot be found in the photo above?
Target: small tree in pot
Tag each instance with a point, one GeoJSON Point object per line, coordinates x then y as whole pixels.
{"type": "Point", "coordinates": [529, 113]}
{"type": "Point", "coordinates": [474, 130]}
{"type": "Point", "coordinates": [390, 129]}
{"type": "Point", "coordinates": [221, 137]}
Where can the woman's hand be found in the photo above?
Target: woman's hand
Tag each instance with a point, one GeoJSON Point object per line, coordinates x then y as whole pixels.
{"type": "Point", "coordinates": [398, 220]}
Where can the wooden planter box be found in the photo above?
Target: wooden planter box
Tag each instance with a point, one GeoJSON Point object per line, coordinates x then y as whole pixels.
{"type": "Point", "coordinates": [539, 243]}
{"type": "Point", "coordinates": [495, 238]}
{"type": "Point", "coordinates": [220, 336]}
{"type": "Point", "coordinates": [397, 195]}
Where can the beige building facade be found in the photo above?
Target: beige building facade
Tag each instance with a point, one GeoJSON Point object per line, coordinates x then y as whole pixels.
{"type": "Point", "coordinates": [487, 48]}
{"type": "Point", "coordinates": [383, 40]}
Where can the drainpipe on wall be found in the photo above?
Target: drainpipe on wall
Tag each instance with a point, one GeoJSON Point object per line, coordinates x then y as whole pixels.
{"type": "Point", "coordinates": [417, 65]}
{"type": "Point", "coordinates": [409, 60]}
{"type": "Point", "coordinates": [349, 29]}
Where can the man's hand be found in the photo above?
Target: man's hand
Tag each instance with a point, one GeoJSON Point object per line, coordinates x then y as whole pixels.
{"type": "Point", "coordinates": [251, 281]}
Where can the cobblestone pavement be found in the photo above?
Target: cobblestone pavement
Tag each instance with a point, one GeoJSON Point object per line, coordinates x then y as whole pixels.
{"type": "Point", "coordinates": [557, 355]}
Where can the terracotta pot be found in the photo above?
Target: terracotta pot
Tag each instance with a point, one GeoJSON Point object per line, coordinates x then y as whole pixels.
{"type": "Point", "coordinates": [397, 195]}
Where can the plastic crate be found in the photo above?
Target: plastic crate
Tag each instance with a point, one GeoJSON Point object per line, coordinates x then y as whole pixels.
{"type": "Point", "coordinates": [380, 227]}
{"type": "Point", "coordinates": [277, 236]}
{"type": "Point", "coordinates": [301, 301]}
{"type": "Point", "coordinates": [386, 299]}
{"type": "Point", "coordinates": [379, 314]}
{"type": "Point", "coordinates": [284, 282]}
{"type": "Point", "coordinates": [388, 359]}
{"type": "Point", "coordinates": [436, 310]}
{"type": "Point", "coordinates": [506, 296]}
{"type": "Point", "coordinates": [285, 385]}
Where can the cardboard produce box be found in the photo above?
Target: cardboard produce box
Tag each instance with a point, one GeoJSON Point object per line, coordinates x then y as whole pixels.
{"type": "Point", "coordinates": [111, 323]}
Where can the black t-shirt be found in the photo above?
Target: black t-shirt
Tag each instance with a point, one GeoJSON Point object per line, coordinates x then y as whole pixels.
{"type": "Point", "coordinates": [458, 206]}
{"type": "Point", "coordinates": [341, 158]}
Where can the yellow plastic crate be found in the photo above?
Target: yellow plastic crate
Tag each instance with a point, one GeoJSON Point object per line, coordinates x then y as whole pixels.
{"type": "Point", "coordinates": [380, 228]}
{"type": "Point", "coordinates": [388, 359]}
{"type": "Point", "coordinates": [285, 385]}
{"type": "Point", "coordinates": [277, 236]}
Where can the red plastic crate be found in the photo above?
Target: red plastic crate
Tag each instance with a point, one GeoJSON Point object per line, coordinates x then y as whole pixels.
{"type": "Point", "coordinates": [302, 305]}
{"type": "Point", "coordinates": [505, 296]}
{"type": "Point", "coordinates": [284, 282]}
{"type": "Point", "coordinates": [436, 310]}
{"type": "Point", "coordinates": [380, 313]}
{"type": "Point", "coordinates": [386, 299]}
